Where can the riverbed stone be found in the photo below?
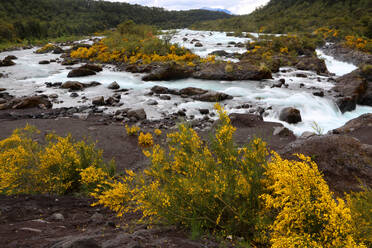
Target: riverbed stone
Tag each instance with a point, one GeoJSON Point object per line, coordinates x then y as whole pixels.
{"type": "Point", "coordinates": [81, 72]}
{"type": "Point", "coordinates": [99, 101]}
{"type": "Point", "coordinates": [114, 86]}
{"type": "Point", "coordinates": [138, 114]}
{"type": "Point", "coordinates": [290, 115]}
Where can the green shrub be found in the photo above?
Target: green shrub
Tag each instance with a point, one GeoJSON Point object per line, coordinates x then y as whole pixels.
{"type": "Point", "coordinates": [360, 204]}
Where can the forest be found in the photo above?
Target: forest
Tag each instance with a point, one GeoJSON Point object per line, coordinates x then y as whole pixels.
{"type": "Point", "coordinates": [351, 17]}
{"type": "Point", "coordinates": [40, 19]}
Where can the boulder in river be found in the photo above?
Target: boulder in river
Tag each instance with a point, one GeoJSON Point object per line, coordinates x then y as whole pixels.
{"type": "Point", "coordinates": [198, 44]}
{"type": "Point", "coordinates": [212, 96]}
{"type": "Point", "coordinates": [81, 72]}
{"type": "Point", "coordinates": [290, 115]}
{"type": "Point", "coordinates": [99, 101]}
{"type": "Point", "coordinates": [192, 91]}
{"type": "Point", "coordinates": [312, 63]}
{"type": "Point", "coordinates": [58, 50]}
{"type": "Point", "coordinates": [96, 68]}
{"type": "Point", "coordinates": [171, 71]}
{"type": "Point", "coordinates": [72, 85]}
{"type": "Point", "coordinates": [160, 89]}
{"type": "Point", "coordinates": [352, 89]}
{"type": "Point", "coordinates": [6, 62]}
{"type": "Point", "coordinates": [10, 57]}
{"type": "Point", "coordinates": [44, 62]}
{"type": "Point", "coordinates": [40, 101]}
{"type": "Point", "coordinates": [114, 86]}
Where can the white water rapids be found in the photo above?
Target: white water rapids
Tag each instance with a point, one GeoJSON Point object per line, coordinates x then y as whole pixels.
{"type": "Point", "coordinates": [27, 77]}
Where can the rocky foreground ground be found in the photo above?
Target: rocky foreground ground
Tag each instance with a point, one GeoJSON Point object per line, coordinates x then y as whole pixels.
{"type": "Point", "coordinates": [344, 155]}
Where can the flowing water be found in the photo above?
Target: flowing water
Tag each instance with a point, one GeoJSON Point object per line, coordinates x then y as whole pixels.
{"type": "Point", "coordinates": [28, 77]}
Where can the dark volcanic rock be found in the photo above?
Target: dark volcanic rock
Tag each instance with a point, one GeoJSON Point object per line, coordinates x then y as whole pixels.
{"type": "Point", "coordinates": [212, 96]}
{"type": "Point", "coordinates": [100, 101]}
{"type": "Point", "coordinates": [10, 57]}
{"type": "Point", "coordinates": [80, 72]}
{"type": "Point", "coordinates": [58, 50]}
{"type": "Point", "coordinates": [114, 86]}
{"type": "Point", "coordinates": [346, 54]}
{"type": "Point", "coordinates": [160, 90]}
{"type": "Point", "coordinates": [352, 89]}
{"type": "Point", "coordinates": [312, 63]}
{"type": "Point", "coordinates": [245, 120]}
{"type": "Point", "coordinates": [360, 128]}
{"type": "Point", "coordinates": [192, 91]}
{"type": "Point", "coordinates": [40, 101]}
{"type": "Point", "coordinates": [169, 72]}
{"type": "Point", "coordinates": [290, 115]}
{"type": "Point", "coordinates": [92, 67]}
{"type": "Point", "coordinates": [44, 62]}
{"type": "Point", "coordinates": [138, 114]}
{"type": "Point", "coordinates": [72, 85]}
{"type": "Point", "coordinates": [345, 162]}
{"type": "Point", "coordinates": [6, 62]}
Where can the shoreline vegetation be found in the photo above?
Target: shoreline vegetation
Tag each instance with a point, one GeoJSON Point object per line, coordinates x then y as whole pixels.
{"type": "Point", "coordinates": [237, 195]}
{"type": "Point", "coordinates": [215, 187]}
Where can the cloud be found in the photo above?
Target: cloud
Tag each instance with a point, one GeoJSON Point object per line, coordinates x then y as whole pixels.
{"type": "Point", "coordinates": [235, 6]}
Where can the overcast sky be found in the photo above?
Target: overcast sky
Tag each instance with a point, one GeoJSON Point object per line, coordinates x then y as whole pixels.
{"type": "Point", "coordinates": [235, 6]}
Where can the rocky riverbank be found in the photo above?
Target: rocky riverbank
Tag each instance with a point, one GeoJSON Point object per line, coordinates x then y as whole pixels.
{"type": "Point", "coordinates": [344, 156]}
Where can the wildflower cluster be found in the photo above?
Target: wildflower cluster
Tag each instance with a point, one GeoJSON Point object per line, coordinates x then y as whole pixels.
{"type": "Point", "coordinates": [137, 44]}
{"type": "Point", "coordinates": [195, 184]}
{"type": "Point", "coordinates": [133, 130]}
{"type": "Point", "coordinates": [157, 132]}
{"type": "Point", "coordinates": [222, 188]}
{"type": "Point", "coordinates": [326, 33]}
{"type": "Point", "coordinates": [308, 215]}
{"type": "Point", "coordinates": [27, 167]}
{"type": "Point", "coordinates": [358, 43]}
{"type": "Point", "coordinates": [145, 140]}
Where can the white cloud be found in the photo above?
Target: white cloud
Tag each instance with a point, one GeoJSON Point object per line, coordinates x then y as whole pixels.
{"type": "Point", "coordinates": [235, 6]}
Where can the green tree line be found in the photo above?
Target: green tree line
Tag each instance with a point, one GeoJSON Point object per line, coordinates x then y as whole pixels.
{"type": "Point", "coordinates": [351, 17]}
{"type": "Point", "coordinates": [40, 19]}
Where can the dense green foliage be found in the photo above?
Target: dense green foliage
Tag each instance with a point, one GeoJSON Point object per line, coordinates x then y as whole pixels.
{"type": "Point", "coordinates": [351, 17]}
{"type": "Point", "coordinates": [38, 19]}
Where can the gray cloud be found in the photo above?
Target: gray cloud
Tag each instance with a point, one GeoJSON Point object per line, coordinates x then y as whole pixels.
{"type": "Point", "coordinates": [235, 6]}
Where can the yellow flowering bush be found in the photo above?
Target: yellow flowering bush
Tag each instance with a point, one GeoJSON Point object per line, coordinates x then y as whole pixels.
{"type": "Point", "coordinates": [221, 188]}
{"type": "Point", "coordinates": [28, 167]}
{"type": "Point", "coordinates": [308, 214]}
{"type": "Point", "coordinates": [145, 140]}
{"type": "Point", "coordinates": [136, 44]}
{"type": "Point", "coordinates": [157, 132]}
{"type": "Point", "coordinates": [326, 33]}
{"type": "Point", "coordinates": [358, 43]}
{"type": "Point", "coordinates": [133, 130]}
{"type": "Point", "coordinates": [214, 187]}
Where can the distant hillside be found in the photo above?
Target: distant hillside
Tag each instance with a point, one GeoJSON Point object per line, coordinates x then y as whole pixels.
{"type": "Point", "coordinates": [283, 16]}
{"type": "Point", "coordinates": [218, 10]}
{"type": "Point", "coordinates": [53, 18]}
